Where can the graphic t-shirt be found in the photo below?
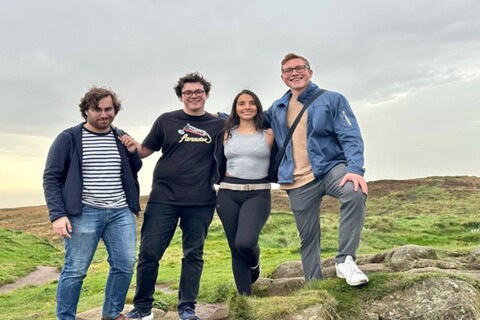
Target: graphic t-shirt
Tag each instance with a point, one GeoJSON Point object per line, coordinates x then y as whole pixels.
{"type": "Point", "coordinates": [182, 175]}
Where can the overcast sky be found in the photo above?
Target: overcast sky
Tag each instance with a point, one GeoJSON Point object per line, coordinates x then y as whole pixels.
{"type": "Point", "coordinates": [410, 69]}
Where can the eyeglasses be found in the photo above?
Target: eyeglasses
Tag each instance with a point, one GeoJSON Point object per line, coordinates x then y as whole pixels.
{"type": "Point", "coordinates": [189, 93]}
{"type": "Point", "coordinates": [100, 110]}
{"type": "Point", "coordinates": [299, 69]}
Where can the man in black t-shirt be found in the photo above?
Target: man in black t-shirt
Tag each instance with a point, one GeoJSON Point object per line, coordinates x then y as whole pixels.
{"type": "Point", "coordinates": [182, 190]}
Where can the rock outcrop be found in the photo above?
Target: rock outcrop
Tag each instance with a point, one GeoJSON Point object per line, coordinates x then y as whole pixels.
{"type": "Point", "coordinates": [449, 295]}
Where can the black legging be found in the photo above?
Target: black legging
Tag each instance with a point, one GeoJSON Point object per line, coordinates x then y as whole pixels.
{"type": "Point", "coordinates": [243, 215]}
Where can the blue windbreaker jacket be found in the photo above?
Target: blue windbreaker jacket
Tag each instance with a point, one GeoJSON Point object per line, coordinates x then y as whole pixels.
{"type": "Point", "coordinates": [333, 134]}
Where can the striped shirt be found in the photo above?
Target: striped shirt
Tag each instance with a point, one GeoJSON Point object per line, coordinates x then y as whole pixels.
{"type": "Point", "coordinates": [102, 170]}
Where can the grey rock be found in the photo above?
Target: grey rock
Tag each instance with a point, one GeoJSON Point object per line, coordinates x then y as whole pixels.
{"type": "Point", "coordinates": [430, 299]}
{"type": "Point", "coordinates": [289, 269]}
{"type": "Point", "coordinates": [96, 313]}
{"type": "Point", "coordinates": [407, 257]}
{"type": "Point", "coordinates": [204, 311]}
{"type": "Point", "coordinates": [285, 286]}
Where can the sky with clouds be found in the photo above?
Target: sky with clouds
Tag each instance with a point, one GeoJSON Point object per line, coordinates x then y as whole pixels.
{"type": "Point", "coordinates": [410, 69]}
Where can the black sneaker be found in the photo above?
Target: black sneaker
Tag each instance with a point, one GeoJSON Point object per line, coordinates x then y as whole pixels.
{"type": "Point", "coordinates": [255, 273]}
{"type": "Point", "coordinates": [187, 313]}
{"type": "Point", "coordinates": [139, 315]}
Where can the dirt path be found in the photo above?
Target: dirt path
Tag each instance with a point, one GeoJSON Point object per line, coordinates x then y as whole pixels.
{"type": "Point", "coordinates": [41, 275]}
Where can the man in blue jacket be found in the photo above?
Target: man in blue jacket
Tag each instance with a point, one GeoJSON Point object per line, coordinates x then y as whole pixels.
{"type": "Point", "coordinates": [324, 157]}
{"type": "Point", "coordinates": [92, 193]}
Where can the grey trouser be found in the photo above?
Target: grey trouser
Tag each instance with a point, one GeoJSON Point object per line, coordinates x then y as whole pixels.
{"type": "Point", "coordinates": [305, 203]}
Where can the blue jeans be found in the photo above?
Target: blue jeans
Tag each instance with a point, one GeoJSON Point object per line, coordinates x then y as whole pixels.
{"type": "Point", "coordinates": [305, 202]}
{"type": "Point", "coordinates": [116, 227]}
{"type": "Point", "coordinates": [159, 225]}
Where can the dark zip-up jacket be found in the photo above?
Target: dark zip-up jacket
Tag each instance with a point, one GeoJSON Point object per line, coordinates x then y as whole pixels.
{"type": "Point", "coordinates": [63, 178]}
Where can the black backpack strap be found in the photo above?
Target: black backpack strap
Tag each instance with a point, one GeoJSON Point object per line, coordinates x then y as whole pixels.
{"type": "Point", "coordinates": [281, 151]}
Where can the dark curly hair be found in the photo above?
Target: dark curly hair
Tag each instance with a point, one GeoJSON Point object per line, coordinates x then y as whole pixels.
{"type": "Point", "coordinates": [189, 78]}
{"type": "Point", "coordinates": [94, 95]}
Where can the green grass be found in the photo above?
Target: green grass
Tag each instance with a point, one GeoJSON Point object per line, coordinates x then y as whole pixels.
{"type": "Point", "coordinates": [21, 253]}
{"type": "Point", "coordinates": [427, 214]}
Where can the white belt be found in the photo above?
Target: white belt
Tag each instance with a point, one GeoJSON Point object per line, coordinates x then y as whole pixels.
{"type": "Point", "coordinates": [245, 187]}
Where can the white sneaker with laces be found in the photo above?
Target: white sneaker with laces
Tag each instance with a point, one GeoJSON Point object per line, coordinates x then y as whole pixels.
{"type": "Point", "coordinates": [349, 271]}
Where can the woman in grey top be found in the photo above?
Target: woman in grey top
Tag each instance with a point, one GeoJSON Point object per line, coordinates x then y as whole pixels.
{"type": "Point", "coordinates": [244, 200]}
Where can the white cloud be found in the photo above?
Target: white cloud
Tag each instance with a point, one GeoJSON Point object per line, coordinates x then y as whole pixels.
{"type": "Point", "coordinates": [410, 69]}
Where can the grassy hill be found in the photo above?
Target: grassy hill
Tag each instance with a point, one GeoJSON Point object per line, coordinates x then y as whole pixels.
{"type": "Point", "coordinates": [441, 212]}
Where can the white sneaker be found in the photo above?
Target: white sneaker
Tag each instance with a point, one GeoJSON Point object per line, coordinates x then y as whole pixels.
{"type": "Point", "coordinates": [349, 271]}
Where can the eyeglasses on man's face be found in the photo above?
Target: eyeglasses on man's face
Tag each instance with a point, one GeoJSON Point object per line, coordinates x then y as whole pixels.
{"type": "Point", "coordinates": [299, 69]}
{"type": "Point", "coordinates": [190, 93]}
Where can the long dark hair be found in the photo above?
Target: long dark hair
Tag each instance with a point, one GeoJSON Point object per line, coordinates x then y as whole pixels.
{"type": "Point", "coordinates": [233, 119]}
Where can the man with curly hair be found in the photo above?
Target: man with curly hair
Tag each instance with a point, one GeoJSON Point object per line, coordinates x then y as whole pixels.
{"type": "Point", "coordinates": [92, 193]}
{"type": "Point", "coordinates": [182, 193]}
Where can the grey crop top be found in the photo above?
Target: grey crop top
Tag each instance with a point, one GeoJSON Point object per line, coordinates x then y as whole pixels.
{"type": "Point", "coordinates": [248, 155]}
